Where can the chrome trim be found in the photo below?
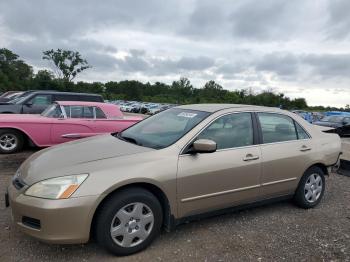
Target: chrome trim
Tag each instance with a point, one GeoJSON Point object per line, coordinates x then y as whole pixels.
{"type": "Point", "coordinates": [248, 111]}
{"type": "Point", "coordinates": [63, 110]}
{"type": "Point", "coordinates": [219, 193]}
{"type": "Point", "coordinates": [71, 136]}
{"type": "Point", "coordinates": [279, 181]}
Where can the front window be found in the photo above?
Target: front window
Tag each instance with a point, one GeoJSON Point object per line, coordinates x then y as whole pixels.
{"type": "Point", "coordinates": [230, 131]}
{"type": "Point", "coordinates": [163, 129]}
{"type": "Point", "coordinates": [41, 100]}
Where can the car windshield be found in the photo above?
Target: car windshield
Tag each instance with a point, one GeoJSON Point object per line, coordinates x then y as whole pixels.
{"type": "Point", "coordinates": [19, 99]}
{"type": "Point", "coordinates": [163, 129]}
{"type": "Point", "coordinates": [53, 111]}
{"type": "Point", "coordinates": [334, 119]}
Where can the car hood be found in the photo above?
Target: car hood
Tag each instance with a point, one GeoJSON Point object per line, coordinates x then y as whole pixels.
{"type": "Point", "coordinates": [59, 160]}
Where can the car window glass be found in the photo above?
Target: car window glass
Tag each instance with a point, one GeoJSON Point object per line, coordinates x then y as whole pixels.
{"type": "Point", "coordinates": [66, 97]}
{"type": "Point", "coordinates": [276, 128]}
{"type": "Point", "coordinates": [301, 132]}
{"type": "Point", "coordinates": [41, 100]}
{"type": "Point", "coordinates": [165, 128]}
{"type": "Point", "coordinates": [99, 113]}
{"type": "Point", "coordinates": [88, 112]}
{"type": "Point", "coordinates": [53, 111]}
{"type": "Point", "coordinates": [76, 111]}
{"type": "Point", "coordinates": [234, 130]}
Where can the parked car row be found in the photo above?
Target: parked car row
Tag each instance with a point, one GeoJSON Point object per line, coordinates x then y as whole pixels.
{"type": "Point", "coordinates": [35, 102]}
{"type": "Point", "coordinates": [337, 122]}
{"type": "Point", "coordinates": [141, 107]}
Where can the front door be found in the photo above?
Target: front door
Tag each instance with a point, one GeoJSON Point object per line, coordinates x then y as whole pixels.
{"type": "Point", "coordinates": [227, 177]}
{"type": "Point", "coordinates": [37, 104]}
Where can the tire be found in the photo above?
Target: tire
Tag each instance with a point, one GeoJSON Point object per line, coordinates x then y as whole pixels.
{"type": "Point", "coordinates": [11, 141]}
{"type": "Point", "coordinates": [311, 188]}
{"type": "Point", "coordinates": [134, 229]}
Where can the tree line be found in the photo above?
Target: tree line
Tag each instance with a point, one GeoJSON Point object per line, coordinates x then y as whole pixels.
{"type": "Point", "coordinates": [15, 74]}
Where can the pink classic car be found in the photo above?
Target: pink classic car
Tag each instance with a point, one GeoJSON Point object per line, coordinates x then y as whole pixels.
{"type": "Point", "coordinates": [59, 123]}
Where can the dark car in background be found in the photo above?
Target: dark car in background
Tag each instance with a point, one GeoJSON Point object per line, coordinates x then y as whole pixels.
{"type": "Point", "coordinates": [35, 102]}
{"type": "Point", "coordinates": [10, 95]}
{"type": "Point", "coordinates": [341, 124]}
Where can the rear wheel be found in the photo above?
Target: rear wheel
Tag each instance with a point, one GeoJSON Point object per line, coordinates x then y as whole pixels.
{"type": "Point", "coordinates": [11, 141]}
{"type": "Point", "coordinates": [129, 221]}
{"type": "Point", "coordinates": [311, 188]}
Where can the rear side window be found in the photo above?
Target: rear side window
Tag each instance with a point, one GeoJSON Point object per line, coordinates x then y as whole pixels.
{"type": "Point", "coordinates": [79, 112]}
{"type": "Point", "coordinates": [301, 132]}
{"type": "Point", "coordinates": [230, 131]}
{"type": "Point", "coordinates": [277, 128]}
{"type": "Point", "coordinates": [63, 97]}
{"type": "Point", "coordinates": [99, 113]}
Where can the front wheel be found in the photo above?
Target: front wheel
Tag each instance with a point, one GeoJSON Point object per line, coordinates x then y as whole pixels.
{"type": "Point", "coordinates": [129, 221]}
{"type": "Point", "coordinates": [11, 141]}
{"type": "Point", "coordinates": [311, 188]}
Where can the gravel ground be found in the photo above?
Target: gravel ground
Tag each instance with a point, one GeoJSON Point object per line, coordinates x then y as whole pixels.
{"type": "Point", "coordinates": [269, 233]}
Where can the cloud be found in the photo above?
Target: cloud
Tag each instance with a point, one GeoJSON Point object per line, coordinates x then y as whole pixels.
{"type": "Point", "coordinates": [339, 19]}
{"type": "Point", "coordinates": [291, 45]}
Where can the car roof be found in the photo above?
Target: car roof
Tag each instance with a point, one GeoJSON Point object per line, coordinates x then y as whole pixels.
{"type": "Point", "coordinates": [81, 103]}
{"type": "Point", "coordinates": [211, 108]}
{"type": "Point", "coordinates": [110, 110]}
{"type": "Point", "coordinates": [52, 92]}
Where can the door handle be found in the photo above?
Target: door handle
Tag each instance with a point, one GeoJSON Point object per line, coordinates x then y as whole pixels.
{"type": "Point", "coordinates": [305, 148]}
{"type": "Point", "coordinates": [250, 157]}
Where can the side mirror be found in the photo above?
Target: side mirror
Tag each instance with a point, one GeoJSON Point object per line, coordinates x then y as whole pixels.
{"type": "Point", "coordinates": [29, 103]}
{"type": "Point", "coordinates": [204, 146]}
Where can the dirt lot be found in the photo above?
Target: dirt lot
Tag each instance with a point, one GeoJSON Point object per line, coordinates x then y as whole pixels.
{"type": "Point", "coordinates": [274, 232]}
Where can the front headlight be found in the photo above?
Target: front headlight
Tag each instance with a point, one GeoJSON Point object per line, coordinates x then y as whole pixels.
{"type": "Point", "coordinates": [56, 188]}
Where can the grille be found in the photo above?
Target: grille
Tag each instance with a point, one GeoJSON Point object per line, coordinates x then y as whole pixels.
{"type": "Point", "coordinates": [31, 222]}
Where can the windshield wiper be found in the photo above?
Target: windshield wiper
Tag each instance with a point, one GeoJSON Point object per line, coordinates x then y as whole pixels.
{"type": "Point", "coordinates": [129, 139]}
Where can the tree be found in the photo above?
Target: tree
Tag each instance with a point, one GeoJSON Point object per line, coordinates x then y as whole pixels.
{"type": "Point", "coordinates": [67, 64]}
{"type": "Point", "coordinates": [182, 89]}
{"type": "Point", "coordinates": [14, 73]}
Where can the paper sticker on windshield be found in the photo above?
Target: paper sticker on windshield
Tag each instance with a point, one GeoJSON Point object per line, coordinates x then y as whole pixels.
{"type": "Point", "coordinates": [188, 115]}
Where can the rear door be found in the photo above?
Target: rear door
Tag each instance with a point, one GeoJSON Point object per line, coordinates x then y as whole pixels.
{"type": "Point", "coordinates": [227, 177]}
{"type": "Point", "coordinates": [286, 153]}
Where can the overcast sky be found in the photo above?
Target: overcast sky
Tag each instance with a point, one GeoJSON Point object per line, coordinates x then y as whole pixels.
{"type": "Point", "coordinates": [299, 47]}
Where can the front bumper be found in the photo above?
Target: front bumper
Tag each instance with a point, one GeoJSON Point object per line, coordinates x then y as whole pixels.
{"type": "Point", "coordinates": [64, 221]}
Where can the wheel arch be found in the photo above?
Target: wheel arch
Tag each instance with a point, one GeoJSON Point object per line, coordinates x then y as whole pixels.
{"type": "Point", "coordinates": [168, 218]}
{"type": "Point", "coordinates": [322, 166]}
{"type": "Point", "coordinates": [27, 138]}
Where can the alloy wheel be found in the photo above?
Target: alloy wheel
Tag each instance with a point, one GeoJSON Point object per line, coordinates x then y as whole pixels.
{"type": "Point", "coordinates": [8, 142]}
